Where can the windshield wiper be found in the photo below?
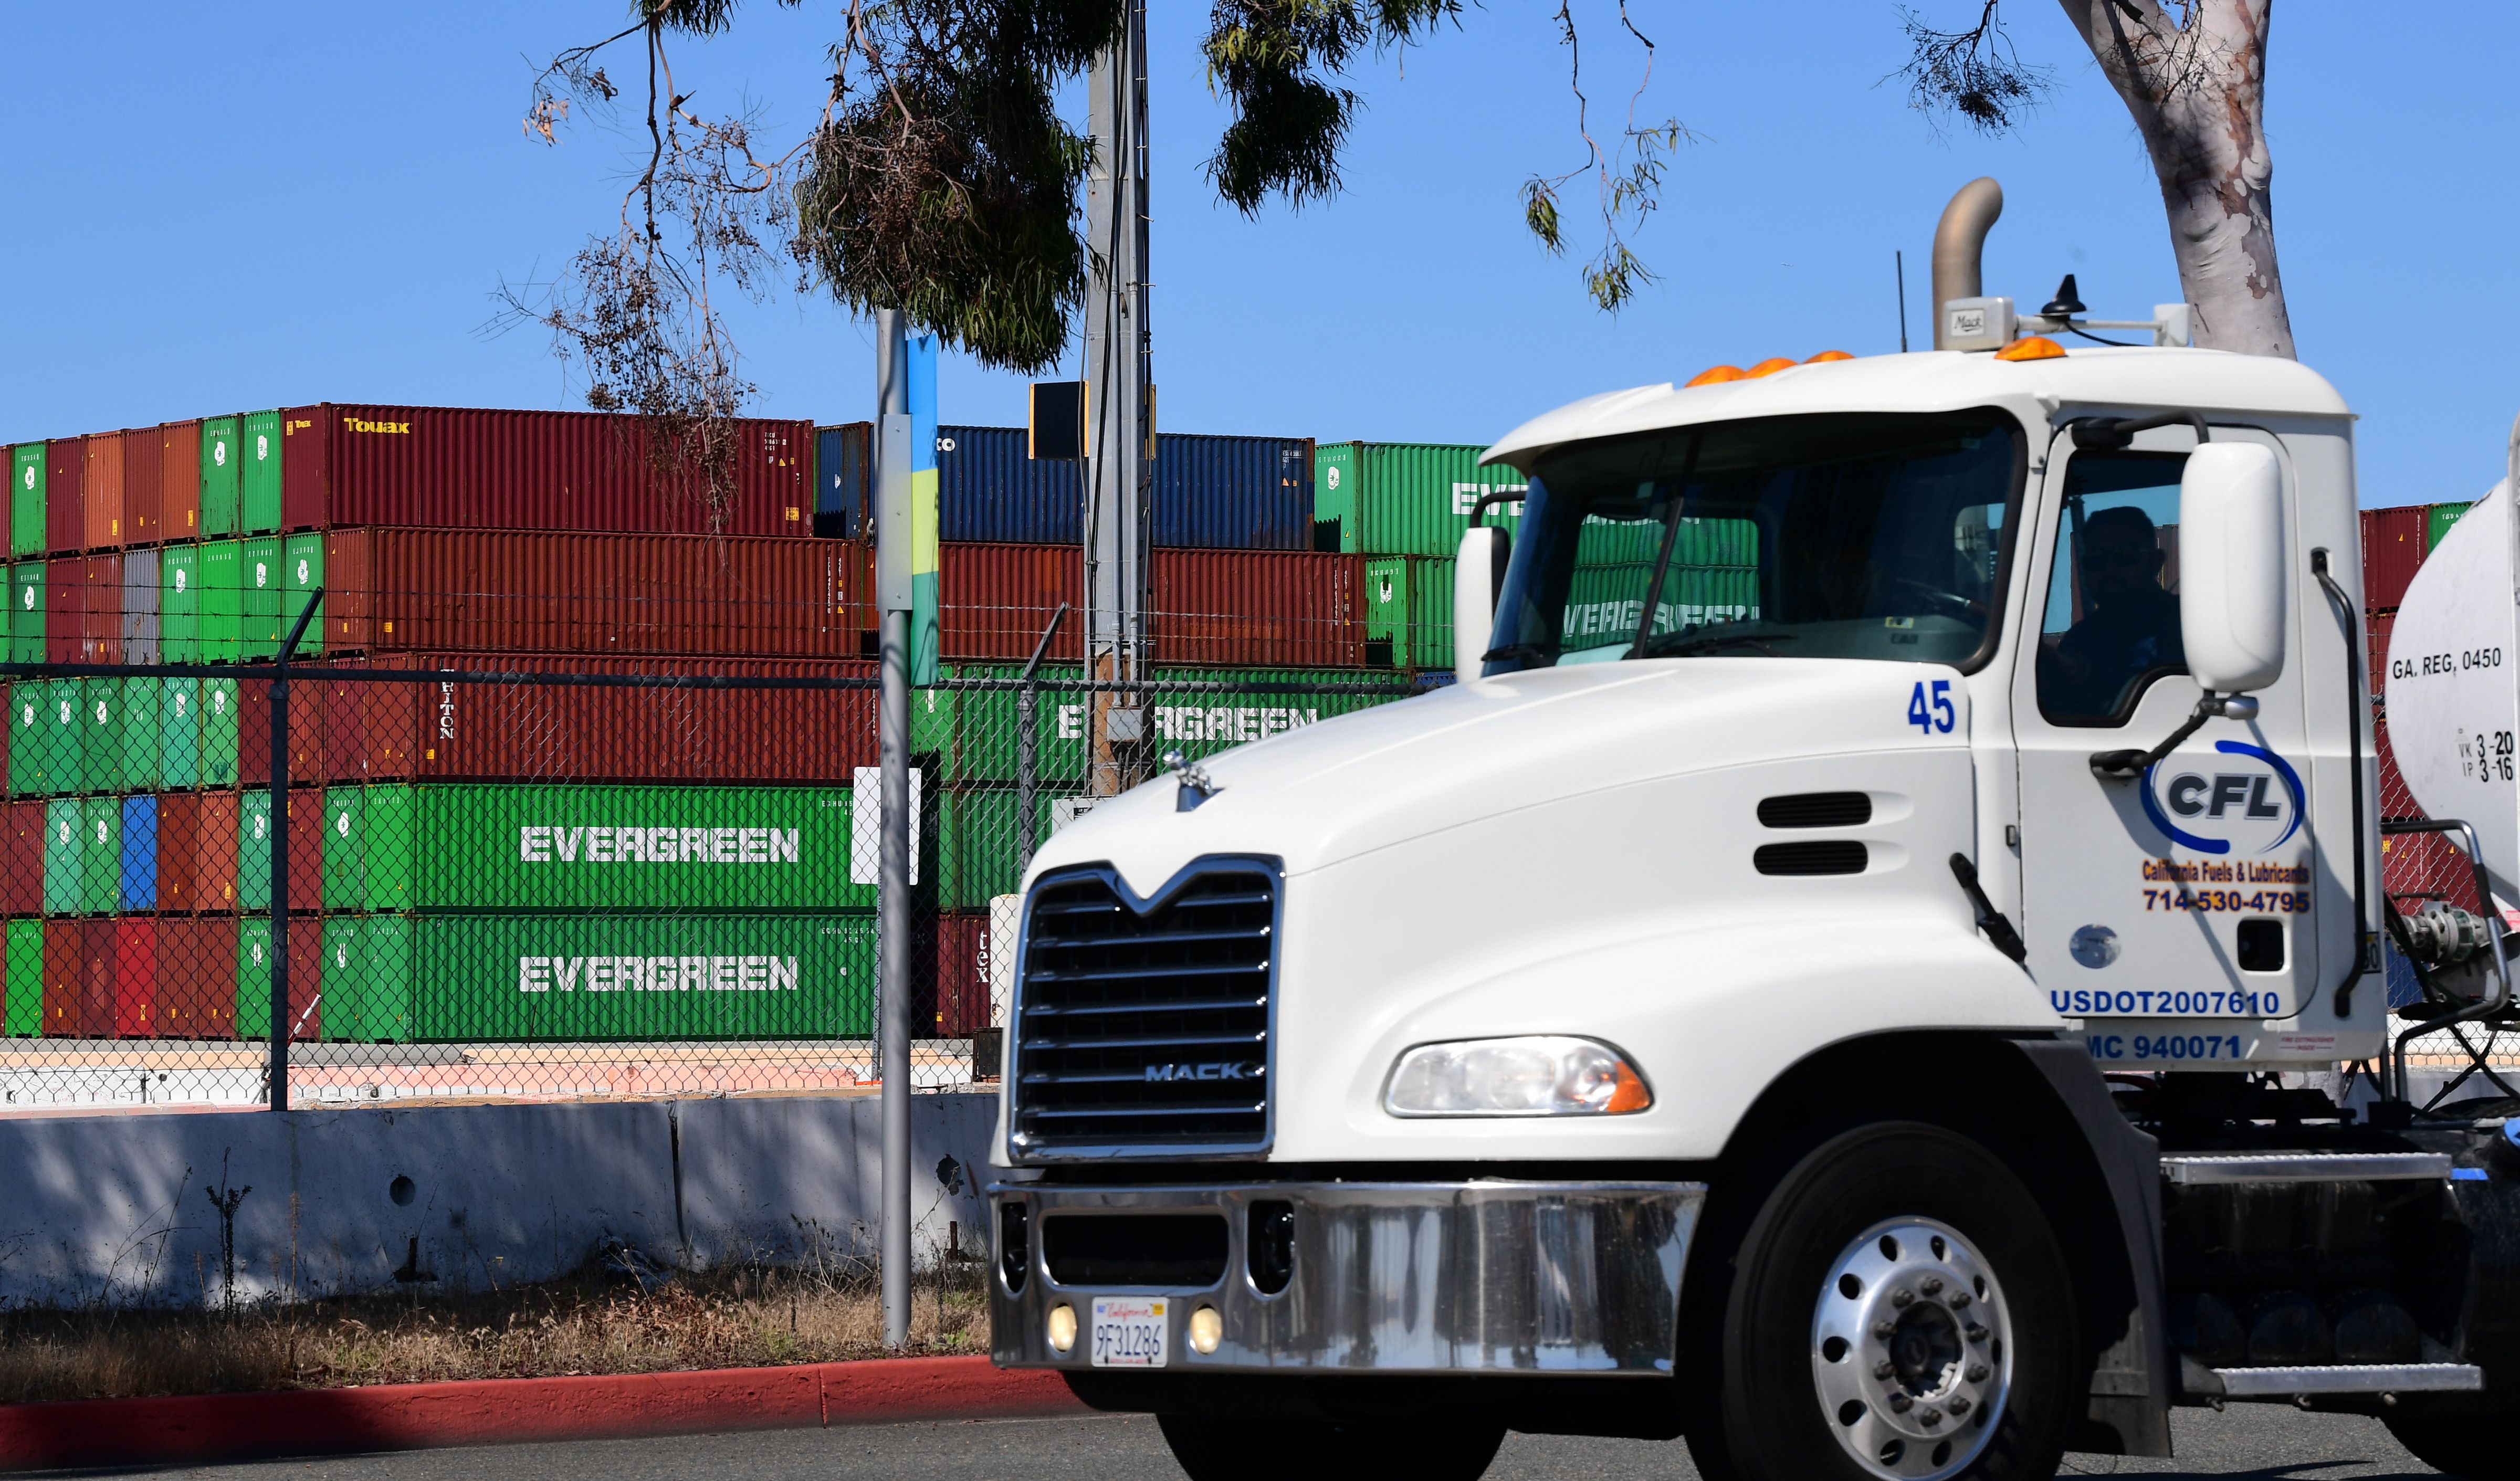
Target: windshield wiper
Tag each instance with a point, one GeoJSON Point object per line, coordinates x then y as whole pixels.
{"type": "Point", "coordinates": [1532, 651]}
{"type": "Point", "coordinates": [1678, 644]}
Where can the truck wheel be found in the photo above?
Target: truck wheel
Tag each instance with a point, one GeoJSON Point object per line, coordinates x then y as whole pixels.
{"type": "Point", "coordinates": [1434, 1448]}
{"type": "Point", "coordinates": [2476, 1447]}
{"type": "Point", "coordinates": [1900, 1312]}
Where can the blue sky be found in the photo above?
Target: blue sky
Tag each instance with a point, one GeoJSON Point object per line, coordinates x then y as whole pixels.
{"type": "Point", "coordinates": [313, 202]}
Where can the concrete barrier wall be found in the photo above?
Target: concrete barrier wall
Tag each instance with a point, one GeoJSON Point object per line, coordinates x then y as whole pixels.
{"type": "Point", "coordinates": [126, 1209]}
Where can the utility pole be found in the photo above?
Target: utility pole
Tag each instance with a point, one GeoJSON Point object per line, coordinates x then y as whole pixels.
{"type": "Point", "coordinates": [1119, 406]}
{"type": "Point", "coordinates": [892, 876]}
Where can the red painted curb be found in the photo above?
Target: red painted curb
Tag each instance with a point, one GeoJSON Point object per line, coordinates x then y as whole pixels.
{"type": "Point", "coordinates": [511, 1411]}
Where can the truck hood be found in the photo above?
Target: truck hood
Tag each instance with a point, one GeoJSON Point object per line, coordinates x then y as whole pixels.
{"type": "Point", "coordinates": [1329, 792]}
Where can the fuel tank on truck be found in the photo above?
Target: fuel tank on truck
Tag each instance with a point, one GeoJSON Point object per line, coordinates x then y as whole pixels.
{"type": "Point", "coordinates": [2454, 689]}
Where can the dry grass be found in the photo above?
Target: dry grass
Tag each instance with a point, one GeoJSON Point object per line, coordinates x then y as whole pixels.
{"type": "Point", "coordinates": [599, 1321]}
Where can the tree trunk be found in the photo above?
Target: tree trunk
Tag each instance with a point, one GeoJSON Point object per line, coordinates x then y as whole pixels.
{"type": "Point", "coordinates": [2197, 92]}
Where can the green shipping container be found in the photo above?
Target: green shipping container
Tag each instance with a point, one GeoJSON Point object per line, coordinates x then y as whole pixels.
{"type": "Point", "coordinates": [259, 574]}
{"type": "Point", "coordinates": [103, 758]}
{"type": "Point", "coordinates": [2438, 518]}
{"type": "Point", "coordinates": [100, 864]}
{"type": "Point", "coordinates": [567, 977]}
{"type": "Point", "coordinates": [179, 603]}
{"type": "Point", "coordinates": [26, 499]}
{"type": "Point", "coordinates": [222, 465]}
{"type": "Point", "coordinates": [968, 844]}
{"type": "Point", "coordinates": [1409, 612]}
{"type": "Point", "coordinates": [302, 575]}
{"type": "Point", "coordinates": [65, 856]}
{"type": "Point", "coordinates": [26, 982]}
{"type": "Point", "coordinates": [179, 734]}
{"type": "Point", "coordinates": [970, 734]}
{"type": "Point", "coordinates": [1416, 498]}
{"type": "Point", "coordinates": [219, 733]}
{"type": "Point", "coordinates": [44, 756]}
{"type": "Point", "coordinates": [260, 440]}
{"type": "Point", "coordinates": [143, 733]}
{"type": "Point", "coordinates": [222, 615]}
{"type": "Point", "coordinates": [26, 613]}
{"type": "Point", "coordinates": [432, 847]}
{"type": "Point", "coordinates": [371, 975]}
{"type": "Point", "coordinates": [253, 857]}
{"type": "Point", "coordinates": [1602, 602]}
{"type": "Point", "coordinates": [253, 975]}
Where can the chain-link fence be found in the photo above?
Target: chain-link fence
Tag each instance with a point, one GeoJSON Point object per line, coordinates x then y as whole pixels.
{"type": "Point", "coordinates": [544, 877]}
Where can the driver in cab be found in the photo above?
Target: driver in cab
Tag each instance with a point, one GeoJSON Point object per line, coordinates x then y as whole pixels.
{"type": "Point", "coordinates": [2130, 627]}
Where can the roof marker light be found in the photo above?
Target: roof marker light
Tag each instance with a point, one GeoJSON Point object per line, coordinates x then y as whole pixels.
{"type": "Point", "coordinates": [1826, 355]}
{"type": "Point", "coordinates": [1768, 367]}
{"type": "Point", "coordinates": [2032, 347]}
{"type": "Point", "coordinates": [1718, 376]}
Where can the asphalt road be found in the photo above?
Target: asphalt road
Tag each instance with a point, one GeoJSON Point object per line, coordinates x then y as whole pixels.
{"type": "Point", "coordinates": [2261, 1442]}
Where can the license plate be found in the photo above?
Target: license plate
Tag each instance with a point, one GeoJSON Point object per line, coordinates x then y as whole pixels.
{"type": "Point", "coordinates": [1131, 1331]}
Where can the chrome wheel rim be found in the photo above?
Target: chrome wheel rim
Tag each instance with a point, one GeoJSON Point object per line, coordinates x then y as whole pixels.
{"type": "Point", "coordinates": [1912, 1350]}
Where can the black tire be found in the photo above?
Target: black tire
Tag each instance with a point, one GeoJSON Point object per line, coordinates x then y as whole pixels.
{"type": "Point", "coordinates": [2477, 1447]}
{"type": "Point", "coordinates": [1446, 1448]}
{"type": "Point", "coordinates": [1770, 1417]}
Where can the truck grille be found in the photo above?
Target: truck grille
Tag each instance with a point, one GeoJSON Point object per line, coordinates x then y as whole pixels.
{"type": "Point", "coordinates": [1146, 1029]}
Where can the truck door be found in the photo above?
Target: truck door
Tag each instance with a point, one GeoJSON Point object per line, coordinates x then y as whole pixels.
{"type": "Point", "coordinates": [2176, 913]}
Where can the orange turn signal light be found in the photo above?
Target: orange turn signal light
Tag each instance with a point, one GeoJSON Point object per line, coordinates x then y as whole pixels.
{"type": "Point", "coordinates": [1629, 1094]}
{"type": "Point", "coordinates": [2032, 347]}
{"type": "Point", "coordinates": [1826, 355]}
{"type": "Point", "coordinates": [1718, 376]}
{"type": "Point", "coordinates": [1769, 367]}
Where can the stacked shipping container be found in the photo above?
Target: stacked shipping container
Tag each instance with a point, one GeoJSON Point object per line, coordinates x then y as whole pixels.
{"type": "Point", "coordinates": [691, 888]}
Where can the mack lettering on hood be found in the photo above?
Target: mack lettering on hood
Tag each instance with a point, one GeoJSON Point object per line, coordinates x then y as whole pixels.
{"type": "Point", "coordinates": [657, 845]}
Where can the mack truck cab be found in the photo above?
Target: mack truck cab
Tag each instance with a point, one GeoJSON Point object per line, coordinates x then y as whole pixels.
{"type": "Point", "coordinates": [1855, 974]}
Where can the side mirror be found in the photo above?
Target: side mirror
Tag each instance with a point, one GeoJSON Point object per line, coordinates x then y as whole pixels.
{"type": "Point", "coordinates": [2231, 567]}
{"type": "Point", "coordinates": [1477, 575]}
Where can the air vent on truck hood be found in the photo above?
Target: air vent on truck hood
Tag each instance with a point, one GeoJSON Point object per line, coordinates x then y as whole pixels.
{"type": "Point", "coordinates": [1833, 856]}
{"type": "Point", "coordinates": [1816, 810]}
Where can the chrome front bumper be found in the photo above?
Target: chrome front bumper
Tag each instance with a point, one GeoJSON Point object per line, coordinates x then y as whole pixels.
{"type": "Point", "coordinates": [1390, 1277]}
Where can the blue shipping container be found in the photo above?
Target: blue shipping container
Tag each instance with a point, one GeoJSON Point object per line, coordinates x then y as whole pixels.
{"type": "Point", "coordinates": [139, 853]}
{"type": "Point", "coordinates": [1210, 493]}
{"type": "Point", "coordinates": [1233, 493]}
{"type": "Point", "coordinates": [842, 456]}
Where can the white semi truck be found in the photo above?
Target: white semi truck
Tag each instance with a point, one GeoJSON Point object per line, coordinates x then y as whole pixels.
{"type": "Point", "coordinates": [1864, 1011]}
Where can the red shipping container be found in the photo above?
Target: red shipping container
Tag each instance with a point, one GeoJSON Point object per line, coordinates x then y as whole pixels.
{"type": "Point", "coordinates": [453, 732]}
{"type": "Point", "coordinates": [22, 858]}
{"type": "Point", "coordinates": [143, 474]}
{"type": "Point", "coordinates": [2392, 547]}
{"type": "Point", "coordinates": [1256, 609]}
{"type": "Point", "coordinates": [100, 501]}
{"type": "Point", "coordinates": [95, 1015]}
{"type": "Point", "coordinates": [64, 608]}
{"type": "Point", "coordinates": [101, 610]}
{"type": "Point", "coordinates": [466, 468]}
{"type": "Point", "coordinates": [197, 852]}
{"type": "Point", "coordinates": [64, 972]}
{"type": "Point", "coordinates": [197, 977]}
{"type": "Point", "coordinates": [996, 600]}
{"type": "Point", "coordinates": [179, 480]}
{"type": "Point", "coordinates": [306, 861]}
{"type": "Point", "coordinates": [951, 964]}
{"type": "Point", "coordinates": [2375, 645]}
{"type": "Point", "coordinates": [309, 760]}
{"type": "Point", "coordinates": [65, 472]}
{"type": "Point", "coordinates": [411, 589]}
{"type": "Point", "coordinates": [135, 977]}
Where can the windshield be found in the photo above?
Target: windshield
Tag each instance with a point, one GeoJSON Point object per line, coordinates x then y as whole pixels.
{"type": "Point", "coordinates": [1841, 536]}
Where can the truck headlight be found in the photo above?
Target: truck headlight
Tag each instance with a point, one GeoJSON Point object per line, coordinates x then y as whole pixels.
{"type": "Point", "coordinates": [1540, 1075]}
